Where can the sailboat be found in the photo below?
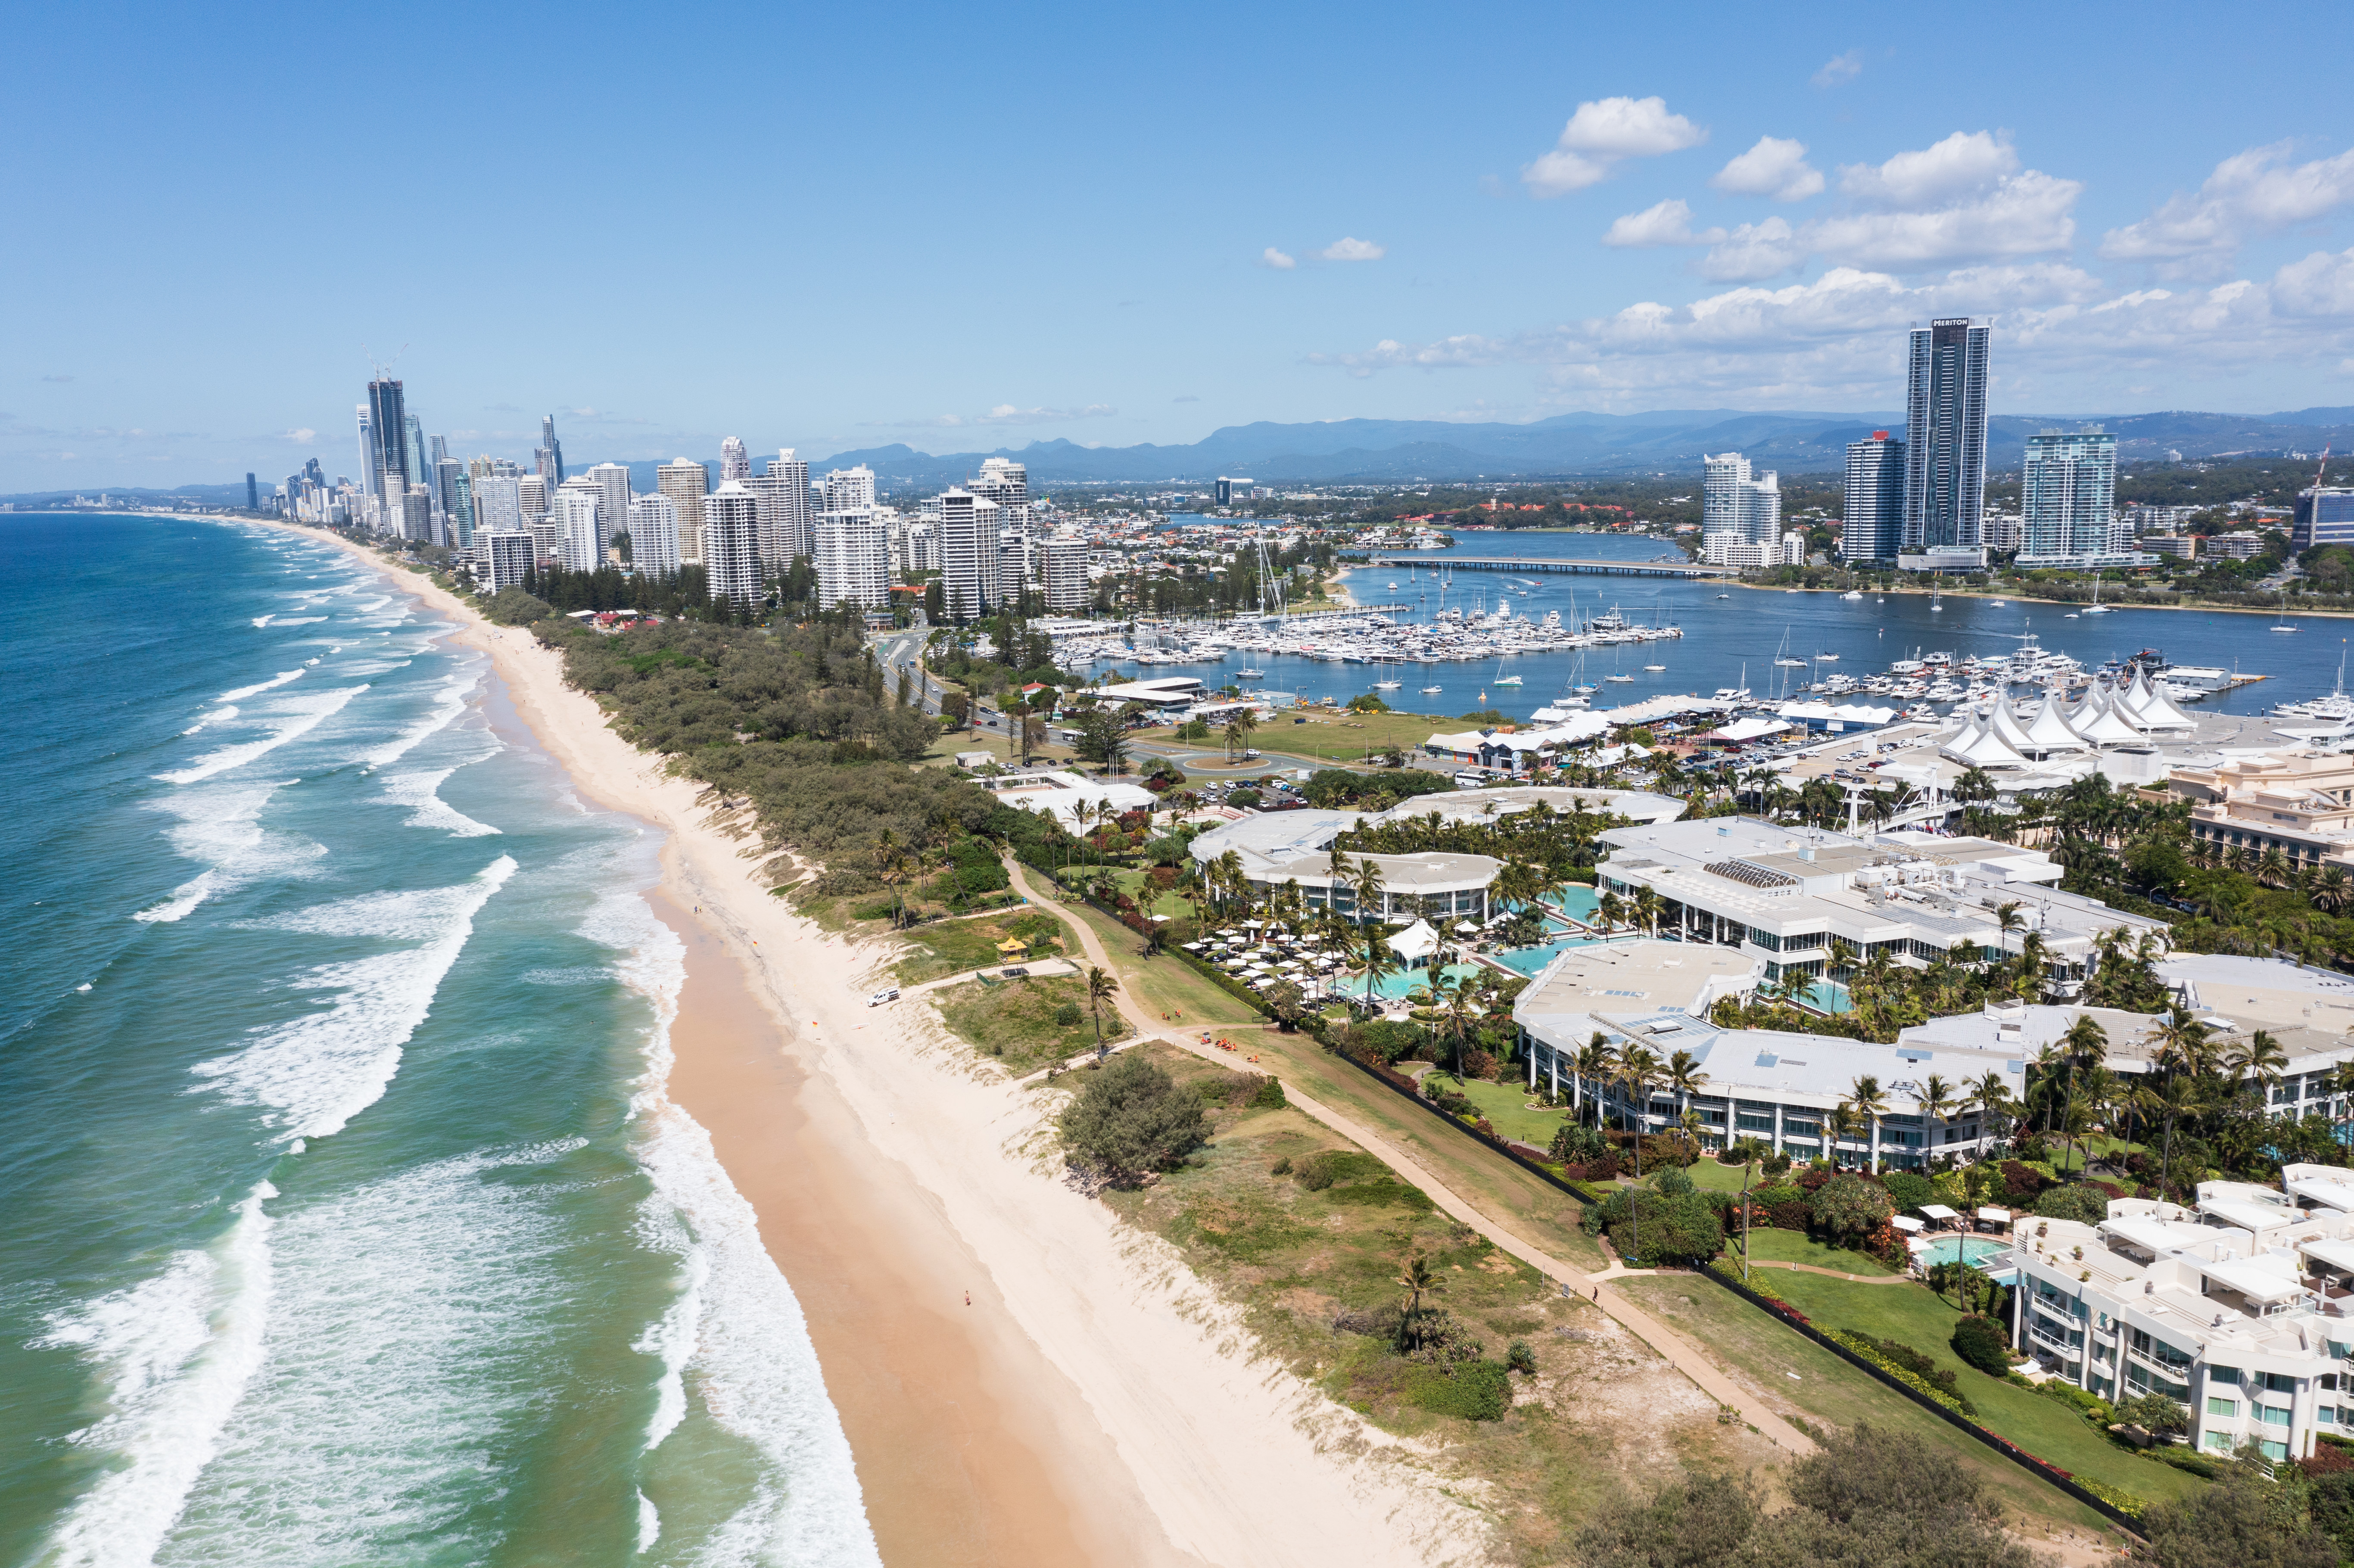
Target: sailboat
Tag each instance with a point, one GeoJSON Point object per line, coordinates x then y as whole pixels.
{"type": "Point", "coordinates": [1502, 678]}
{"type": "Point", "coordinates": [2284, 624]}
{"type": "Point", "coordinates": [1936, 595]}
{"type": "Point", "coordinates": [1389, 684]}
{"type": "Point", "coordinates": [2096, 606]}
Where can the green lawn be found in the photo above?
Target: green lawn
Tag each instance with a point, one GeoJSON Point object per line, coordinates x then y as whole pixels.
{"type": "Point", "coordinates": [951, 946]}
{"type": "Point", "coordinates": [1791, 1368]}
{"type": "Point", "coordinates": [1510, 1111]}
{"type": "Point", "coordinates": [1016, 1020]}
{"type": "Point", "coordinates": [1912, 1315]}
{"type": "Point", "coordinates": [1797, 1246]}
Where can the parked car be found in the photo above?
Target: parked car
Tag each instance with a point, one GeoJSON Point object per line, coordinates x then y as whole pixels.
{"type": "Point", "coordinates": [888, 993]}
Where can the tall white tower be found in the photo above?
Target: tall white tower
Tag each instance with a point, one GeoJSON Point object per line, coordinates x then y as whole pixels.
{"type": "Point", "coordinates": [733, 462]}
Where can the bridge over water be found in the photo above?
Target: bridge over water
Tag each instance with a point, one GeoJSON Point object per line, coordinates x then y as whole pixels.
{"type": "Point", "coordinates": [1549, 564]}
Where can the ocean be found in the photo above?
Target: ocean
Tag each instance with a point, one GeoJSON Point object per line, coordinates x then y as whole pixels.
{"type": "Point", "coordinates": [1732, 641]}
{"type": "Point", "coordinates": [347, 1217]}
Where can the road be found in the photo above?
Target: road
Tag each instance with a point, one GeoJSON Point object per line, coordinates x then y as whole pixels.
{"type": "Point", "coordinates": [1686, 1357]}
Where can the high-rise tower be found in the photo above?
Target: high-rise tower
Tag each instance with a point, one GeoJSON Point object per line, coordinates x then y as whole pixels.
{"type": "Point", "coordinates": [550, 454]}
{"type": "Point", "coordinates": [685, 480]}
{"type": "Point", "coordinates": [1945, 433]}
{"type": "Point", "coordinates": [1874, 529]}
{"type": "Point", "coordinates": [2067, 496]}
{"type": "Point", "coordinates": [389, 421]}
{"type": "Point", "coordinates": [731, 545]}
{"type": "Point", "coordinates": [733, 462]}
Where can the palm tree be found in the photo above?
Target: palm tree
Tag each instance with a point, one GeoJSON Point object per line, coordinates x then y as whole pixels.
{"type": "Point", "coordinates": [1838, 1127]}
{"type": "Point", "coordinates": [1239, 724]}
{"type": "Point", "coordinates": [1367, 886]}
{"type": "Point", "coordinates": [1684, 1076]}
{"type": "Point", "coordinates": [2261, 1059]}
{"type": "Point", "coordinates": [2169, 1099]}
{"type": "Point", "coordinates": [2331, 890]}
{"type": "Point", "coordinates": [1647, 909]}
{"type": "Point", "coordinates": [1100, 987]}
{"type": "Point", "coordinates": [891, 863]}
{"type": "Point", "coordinates": [1594, 1066]}
{"type": "Point", "coordinates": [1870, 1102]}
{"type": "Point", "coordinates": [1639, 1070]}
{"type": "Point", "coordinates": [1452, 997]}
{"type": "Point", "coordinates": [1609, 908]}
{"type": "Point", "coordinates": [1938, 1101]}
{"type": "Point", "coordinates": [1379, 962]}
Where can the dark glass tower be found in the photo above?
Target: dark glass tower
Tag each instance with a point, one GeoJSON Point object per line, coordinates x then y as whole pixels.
{"type": "Point", "coordinates": [1945, 415]}
{"type": "Point", "coordinates": [389, 421]}
{"type": "Point", "coordinates": [1873, 528]}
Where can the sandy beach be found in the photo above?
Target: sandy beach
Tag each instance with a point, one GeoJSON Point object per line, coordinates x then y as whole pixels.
{"type": "Point", "coordinates": [1094, 1403]}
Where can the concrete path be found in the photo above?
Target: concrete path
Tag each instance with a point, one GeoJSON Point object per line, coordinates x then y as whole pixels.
{"type": "Point", "coordinates": [1040, 968]}
{"type": "Point", "coordinates": [1831, 1272]}
{"type": "Point", "coordinates": [1680, 1353]}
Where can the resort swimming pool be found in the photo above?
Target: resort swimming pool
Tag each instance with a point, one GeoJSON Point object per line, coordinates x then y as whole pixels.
{"type": "Point", "coordinates": [1579, 900]}
{"type": "Point", "coordinates": [1530, 960]}
{"type": "Point", "coordinates": [1973, 1249]}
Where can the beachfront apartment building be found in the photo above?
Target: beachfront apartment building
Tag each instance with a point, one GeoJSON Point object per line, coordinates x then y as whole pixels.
{"type": "Point", "coordinates": [653, 535]}
{"type": "Point", "coordinates": [2235, 1308]}
{"type": "Point", "coordinates": [731, 545]}
{"type": "Point", "coordinates": [504, 557]}
{"type": "Point", "coordinates": [686, 482]}
{"type": "Point", "coordinates": [853, 559]}
{"type": "Point", "coordinates": [1788, 894]}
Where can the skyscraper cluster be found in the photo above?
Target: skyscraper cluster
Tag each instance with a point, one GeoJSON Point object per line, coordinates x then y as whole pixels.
{"type": "Point", "coordinates": [989, 540]}
{"type": "Point", "coordinates": [1741, 511]}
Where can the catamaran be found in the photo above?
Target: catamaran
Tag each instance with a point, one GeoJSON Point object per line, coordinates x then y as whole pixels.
{"type": "Point", "coordinates": [2284, 624]}
{"type": "Point", "coordinates": [2096, 606]}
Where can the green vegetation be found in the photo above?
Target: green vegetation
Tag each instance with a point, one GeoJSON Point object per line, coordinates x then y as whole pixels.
{"type": "Point", "coordinates": [952, 947]}
{"type": "Point", "coordinates": [1129, 1119]}
{"type": "Point", "coordinates": [1353, 1280]}
{"type": "Point", "coordinates": [1870, 1496]}
{"type": "Point", "coordinates": [1027, 1023]}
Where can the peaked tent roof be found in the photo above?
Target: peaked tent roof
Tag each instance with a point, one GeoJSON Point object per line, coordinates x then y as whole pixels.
{"type": "Point", "coordinates": [2150, 708]}
{"type": "Point", "coordinates": [2049, 731]}
{"type": "Point", "coordinates": [2007, 726]}
{"type": "Point", "coordinates": [1416, 941]}
{"type": "Point", "coordinates": [2109, 727]}
{"type": "Point", "coordinates": [1978, 746]}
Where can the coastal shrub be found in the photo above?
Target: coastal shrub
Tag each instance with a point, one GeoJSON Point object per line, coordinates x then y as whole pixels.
{"type": "Point", "coordinates": [1866, 1496]}
{"type": "Point", "coordinates": [2156, 1413]}
{"type": "Point", "coordinates": [1573, 1144]}
{"type": "Point", "coordinates": [1269, 1094]}
{"type": "Point", "coordinates": [1469, 1390]}
{"type": "Point", "coordinates": [1850, 1206]}
{"type": "Point", "coordinates": [512, 606]}
{"type": "Point", "coordinates": [1908, 1190]}
{"type": "Point", "coordinates": [1905, 1358]}
{"type": "Point", "coordinates": [1130, 1117]}
{"type": "Point", "coordinates": [1328, 1166]}
{"type": "Point", "coordinates": [2085, 1204]}
{"type": "Point", "coordinates": [2022, 1183]}
{"type": "Point", "coordinates": [2240, 1521]}
{"type": "Point", "coordinates": [1520, 1358]}
{"type": "Point", "coordinates": [1648, 1227]}
{"type": "Point", "coordinates": [1980, 1343]}
{"type": "Point", "coordinates": [1067, 1014]}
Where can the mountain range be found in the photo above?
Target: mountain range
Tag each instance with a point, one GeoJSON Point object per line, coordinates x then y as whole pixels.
{"type": "Point", "coordinates": [1377, 451]}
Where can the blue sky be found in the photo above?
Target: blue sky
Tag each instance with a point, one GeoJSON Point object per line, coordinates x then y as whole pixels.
{"type": "Point", "coordinates": [966, 226]}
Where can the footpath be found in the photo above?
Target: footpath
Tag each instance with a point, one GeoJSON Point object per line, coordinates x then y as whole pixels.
{"type": "Point", "coordinates": [1679, 1352]}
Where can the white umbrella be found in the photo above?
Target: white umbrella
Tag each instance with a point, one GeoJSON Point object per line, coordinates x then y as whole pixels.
{"type": "Point", "coordinates": [1465, 925]}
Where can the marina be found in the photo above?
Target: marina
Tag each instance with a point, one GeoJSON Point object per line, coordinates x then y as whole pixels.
{"type": "Point", "coordinates": [1923, 653]}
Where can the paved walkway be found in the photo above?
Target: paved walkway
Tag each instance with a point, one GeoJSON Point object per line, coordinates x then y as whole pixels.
{"type": "Point", "coordinates": [1040, 968]}
{"type": "Point", "coordinates": [1686, 1357]}
{"type": "Point", "coordinates": [1830, 1272]}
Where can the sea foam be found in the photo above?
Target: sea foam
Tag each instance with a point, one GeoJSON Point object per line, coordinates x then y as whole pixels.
{"type": "Point", "coordinates": [303, 715]}
{"type": "Point", "coordinates": [734, 1330]}
{"type": "Point", "coordinates": [222, 826]}
{"type": "Point", "coordinates": [318, 1071]}
{"type": "Point", "coordinates": [173, 1354]}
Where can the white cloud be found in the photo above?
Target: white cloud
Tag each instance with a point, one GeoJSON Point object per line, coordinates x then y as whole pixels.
{"type": "Point", "coordinates": [1961, 163]}
{"type": "Point", "coordinates": [2251, 193]}
{"type": "Point", "coordinates": [1669, 223]}
{"type": "Point", "coordinates": [1347, 249]}
{"type": "Point", "coordinates": [302, 437]}
{"type": "Point", "coordinates": [1601, 133]}
{"type": "Point", "coordinates": [2023, 215]}
{"type": "Point", "coordinates": [1007, 414]}
{"type": "Point", "coordinates": [1840, 69]}
{"type": "Point", "coordinates": [1753, 251]}
{"type": "Point", "coordinates": [1271, 257]}
{"type": "Point", "coordinates": [1839, 338]}
{"type": "Point", "coordinates": [1775, 167]}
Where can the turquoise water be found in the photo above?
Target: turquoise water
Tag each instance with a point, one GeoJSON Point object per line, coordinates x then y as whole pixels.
{"type": "Point", "coordinates": [1531, 960]}
{"type": "Point", "coordinates": [349, 1219]}
{"type": "Point", "coordinates": [1578, 899]}
{"type": "Point", "coordinates": [1973, 1249]}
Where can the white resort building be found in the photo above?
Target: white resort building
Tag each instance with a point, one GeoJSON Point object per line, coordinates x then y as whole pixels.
{"type": "Point", "coordinates": [2235, 1308]}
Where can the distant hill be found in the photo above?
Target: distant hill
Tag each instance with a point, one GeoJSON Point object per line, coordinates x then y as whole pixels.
{"type": "Point", "coordinates": [1389, 451]}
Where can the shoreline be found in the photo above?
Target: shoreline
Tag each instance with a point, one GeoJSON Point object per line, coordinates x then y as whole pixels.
{"type": "Point", "coordinates": [1094, 1403]}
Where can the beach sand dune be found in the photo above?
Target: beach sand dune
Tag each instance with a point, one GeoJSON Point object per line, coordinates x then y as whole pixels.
{"type": "Point", "coordinates": [1095, 1403]}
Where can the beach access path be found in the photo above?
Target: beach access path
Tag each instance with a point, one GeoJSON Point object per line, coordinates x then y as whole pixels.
{"type": "Point", "coordinates": [1686, 1357]}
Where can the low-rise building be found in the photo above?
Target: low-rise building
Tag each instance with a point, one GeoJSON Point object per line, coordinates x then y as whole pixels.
{"type": "Point", "coordinates": [1071, 799]}
{"type": "Point", "coordinates": [2174, 547]}
{"type": "Point", "coordinates": [1786, 894]}
{"type": "Point", "coordinates": [2235, 1308]}
{"type": "Point", "coordinates": [2299, 802]}
{"type": "Point", "coordinates": [1279, 849]}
